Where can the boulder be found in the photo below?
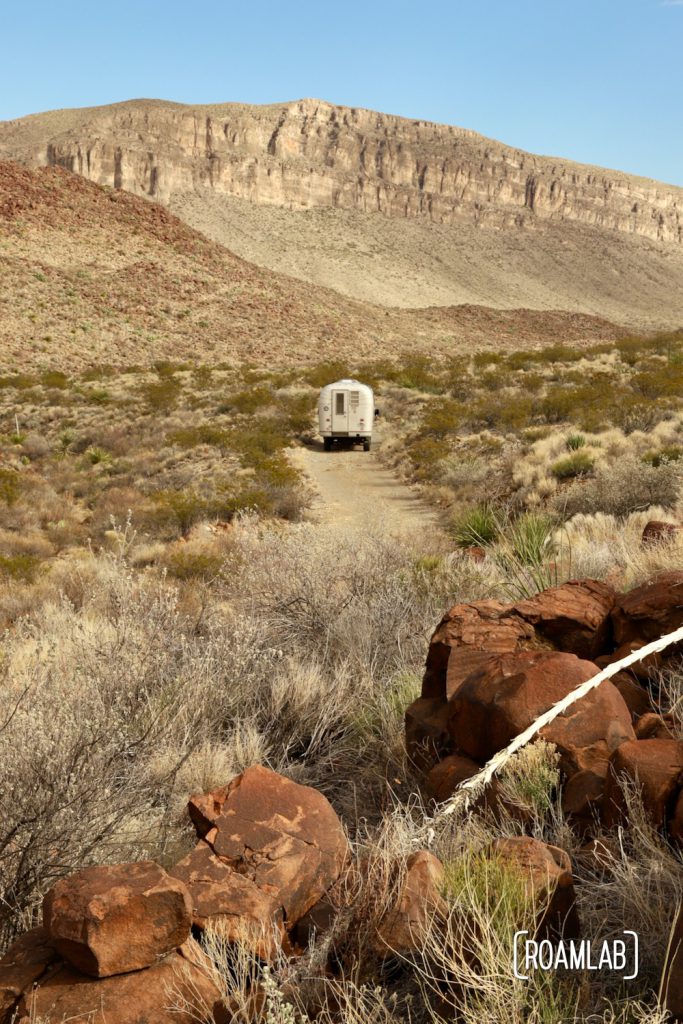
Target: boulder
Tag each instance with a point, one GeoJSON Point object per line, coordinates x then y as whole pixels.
{"type": "Point", "coordinates": [487, 626]}
{"type": "Point", "coordinates": [427, 737]}
{"type": "Point", "coordinates": [574, 617]}
{"type": "Point", "coordinates": [152, 996]}
{"type": "Point", "coordinates": [110, 919]}
{"type": "Point", "coordinates": [642, 669]}
{"type": "Point", "coordinates": [24, 963]}
{"type": "Point", "coordinates": [270, 850]}
{"type": "Point", "coordinates": [445, 777]}
{"type": "Point", "coordinates": [635, 695]}
{"type": "Point", "coordinates": [511, 691]}
{"type": "Point", "coordinates": [221, 895]}
{"type": "Point", "coordinates": [659, 532]}
{"type": "Point", "coordinates": [649, 611]}
{"type": "Point", "coordinates": [547, 871]}
{"type": "Point", "coordinates": [656, 765]}
{"type": "Point", "coordinates": [672, 975]}
{"type": "Point", "coordinates": [403, 927]}
{"type": "Point", "coordinates": [654, 727]}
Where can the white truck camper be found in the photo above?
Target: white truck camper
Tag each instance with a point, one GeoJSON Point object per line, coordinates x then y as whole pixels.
{"type": "Point", "coordinates": [346, 413]}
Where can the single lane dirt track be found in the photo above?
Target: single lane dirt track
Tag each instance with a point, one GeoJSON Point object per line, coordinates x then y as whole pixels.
{"type": "Point", "coordinates": [355, 492]}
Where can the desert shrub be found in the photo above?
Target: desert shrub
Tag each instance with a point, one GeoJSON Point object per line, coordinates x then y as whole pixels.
{"type": "Point", "coordinates": [442, 418]}
{"type": "Point", "coordinates": [161, 395]}
{"type": "Point", "coordinates": [22, 566]}
{"type": "Point", "coordinates": [477, 526]}
{"type": "Point", "coordinates": [503, 411]}
{"type": "Point", "coordinates": [326, 373]}
{"type": "Point", "coordinates": [416, 373]}
{"type": "Point", "coordinates": [631, 413]}
{"type": "Point", "coordinates": [202, 433]}
{"type": "Point", "coordinates": [668, 453]}
{"type": "Point", "coordinates": [10, 486]}
{"type": "Point", "coordinates": [260, 439]}
{"type": "Point", "coordinates": [186, 563]}
{"type": "Point", "coordinates": [180, 510]}
{"type": "Point", "coordinates": [623, 486]}
{"type": "Point", "coordinates": [250, 399]}
{"type": "Point", "coordinates": [54, 379]}
{"type": "Point", "coordinates": [575, 441]}
{"type": "Point", "coordinates": [97, 456]}
{"type": "Point", "coordinates": [530, 537]}
{"type": "Point", "coordinates": [577, 464]}
{"type": "Point", "coordinates": [426, 455]}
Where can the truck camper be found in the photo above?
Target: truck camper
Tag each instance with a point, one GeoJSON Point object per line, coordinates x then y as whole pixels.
{"type": "Point", "coordinates": [346, 414]}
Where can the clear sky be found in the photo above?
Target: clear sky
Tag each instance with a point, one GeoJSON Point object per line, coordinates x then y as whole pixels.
{"type": "Point", "coordinates": [599, 81]}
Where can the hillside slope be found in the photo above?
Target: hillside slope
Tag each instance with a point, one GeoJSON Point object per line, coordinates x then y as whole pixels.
{"type": "Point", "coordinates": [383, 208]}
{"type": "Point", "coordinates": [91, 275]}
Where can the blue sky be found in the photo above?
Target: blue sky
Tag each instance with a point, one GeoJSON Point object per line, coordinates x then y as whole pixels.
{"type": "Point", "coordinates": [598, 81]}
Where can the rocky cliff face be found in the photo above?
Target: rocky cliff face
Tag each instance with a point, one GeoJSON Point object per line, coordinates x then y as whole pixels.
{"type": "Point", "coordinates": [310, 154]}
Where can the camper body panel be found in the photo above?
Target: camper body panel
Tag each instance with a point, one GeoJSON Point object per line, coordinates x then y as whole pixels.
{"type": "Point", "coordinates": [346, 409]}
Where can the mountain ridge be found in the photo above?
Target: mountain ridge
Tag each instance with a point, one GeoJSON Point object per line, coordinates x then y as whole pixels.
{"type": "Point", "coordinates": [425, 214]}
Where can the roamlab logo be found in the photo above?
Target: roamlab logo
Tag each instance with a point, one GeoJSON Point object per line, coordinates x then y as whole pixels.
{"type": "Point", "coordinates": [619, 955]}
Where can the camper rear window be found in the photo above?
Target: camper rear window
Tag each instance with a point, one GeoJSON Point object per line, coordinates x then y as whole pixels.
{"type": "Point", "coordinates": [339, 403]}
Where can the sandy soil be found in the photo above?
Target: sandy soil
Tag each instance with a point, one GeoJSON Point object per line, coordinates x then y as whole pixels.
{"type": "Point", "coordinates": [355, 492]}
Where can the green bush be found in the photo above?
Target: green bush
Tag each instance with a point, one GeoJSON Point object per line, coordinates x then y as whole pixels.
{"type": "Point", "coordinates": [21, 567]}
{"type": "Point", "coordinates": [326, 373]}
{"type": "Point", "coordinates": [576, 464]}
{"type": "Point", "coordinates": [426, 455]}
{"type": "Point", "coordinates": [530, 538]}
{"type": "Point", "coordinates": [10, 486]}
{"type": "Point", "coordinates": [54, 379]}
{"type": "Point", "coordinates": [478, 526]}
{"type": "Point", "coordinates": [181, 509]}
{"type": "Point", "coordinates": [187, 564]}
{"type": "Point", "coordinates": [442, 417]}
{"type": "Point", "coordinates": [575, 441]}
{"type": "Point", "coordinates": [162, 395]}
{"type": "Point", "coordinates": [669, 453]}
{"type": "Point", "coordinates": [250, 399]}
{"type": "Point", "coordinates": [203, 433]}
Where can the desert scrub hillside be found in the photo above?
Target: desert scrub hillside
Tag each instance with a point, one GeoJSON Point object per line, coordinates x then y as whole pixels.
{"type": "Point", "coordinates": [91, 274]}
{"type": "Point", "coordinates": [166, 448]}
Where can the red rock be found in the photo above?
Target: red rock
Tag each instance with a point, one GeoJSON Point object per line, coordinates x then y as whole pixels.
{"type": "Point", "coordinates": [649, 611]}
{"type": "Point", "coordinates": [575, 617]}
{"type": "Point", "coordinates": [487, 626]}
{"type": "Point", "coordinates": [642, 669]}
{"type": "Point", "coordinates": [672, 975]}
{"type": "Point", "coordinates": [653, 727]}
{"type": "Point", "coordinates": [283, 841]}
{"type": "Point", "coordinates": [445, 777]}
{"type": "Point", "coordinates": [550, 882]}
{"type": "Point", "coordinates": [220, 895]}
{"type": "Point", "coordinates": [635, 696]}
{"type": "Point", "coordinates": [204, 809]}
{"type": "Point", "coordinates": [501, 700]}
{"type": "Point", "coordinates": [138, 997]}
{"type": "Point", "coordinates": [110, 919]}
{"type": "Point", "coordinates": [403, 927]}
{"type": "Point", "coordinates": [475, 552]}
{"type": "Point", "coordinates": [657, 766]}
{"type": "Point", "coordinates": [659, 532]}
{"type": "Point", "coordinates": [676, 819]}
{"type": "Point", "coordinates": [24, 963]}
{"type": "Point", "coordinates": [427, 737]}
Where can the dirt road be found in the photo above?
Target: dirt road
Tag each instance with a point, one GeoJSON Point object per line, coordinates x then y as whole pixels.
{"type": "Point", "coordinates": [354, 491]}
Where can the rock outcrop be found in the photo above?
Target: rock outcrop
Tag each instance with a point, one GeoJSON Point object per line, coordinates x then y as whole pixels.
{"type": "Point", "coordinates": [268, 850]}
{"type": "Point", "coordinates": [492, 670]}
{"type": "Point", "coordinates": [309, 153]}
